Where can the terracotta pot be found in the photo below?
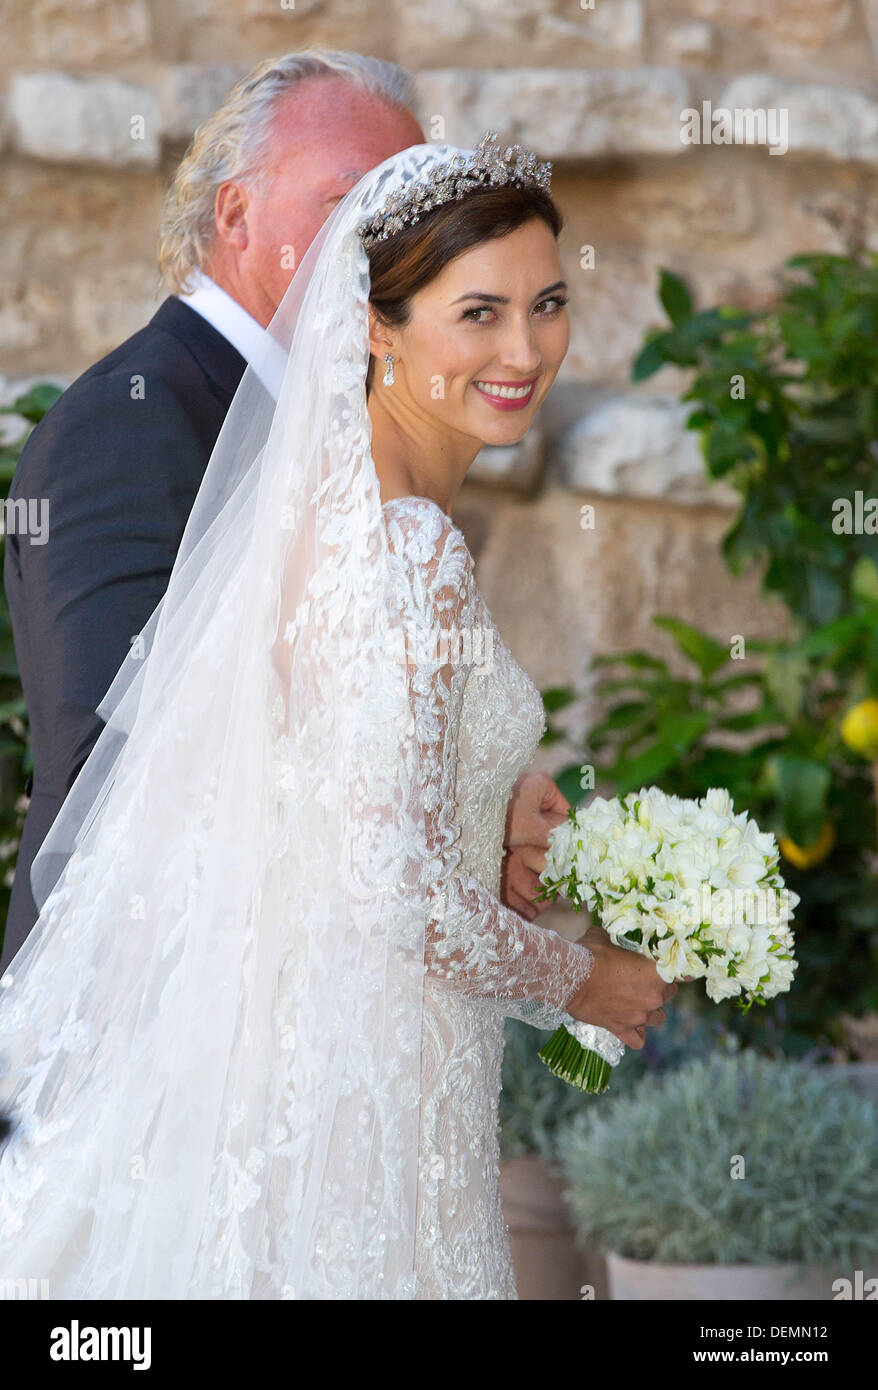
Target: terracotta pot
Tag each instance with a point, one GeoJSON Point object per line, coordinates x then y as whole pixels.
{"type": "Point", "coordinates": [548, 1264]}
{"type": "Point", "coordinates": [647, 1280]}
{"type": "Point", "coordinates": [861, 1034]}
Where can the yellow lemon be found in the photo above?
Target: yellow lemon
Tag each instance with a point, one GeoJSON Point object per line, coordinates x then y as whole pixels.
{"type": "Point", "coordinates": [806, 856]}
{"type": "Point", "coordinates": [859, 728]}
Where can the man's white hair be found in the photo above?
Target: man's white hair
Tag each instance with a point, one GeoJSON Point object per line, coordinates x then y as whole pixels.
{"type": "Point", "coordinates": [233, 142]}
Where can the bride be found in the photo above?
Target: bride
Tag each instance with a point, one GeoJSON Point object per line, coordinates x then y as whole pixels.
{"type": "Point", "coordinates": [252, 1048]}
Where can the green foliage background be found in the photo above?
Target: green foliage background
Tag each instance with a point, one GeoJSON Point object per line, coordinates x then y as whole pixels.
{"type": "Point", "coordinates": [16, 761]}
{"type": "Point", "coordinates": [786, 407]}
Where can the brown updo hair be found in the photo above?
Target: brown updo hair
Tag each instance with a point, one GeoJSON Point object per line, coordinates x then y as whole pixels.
{"type": "Point", "coordinates": [404, 263]}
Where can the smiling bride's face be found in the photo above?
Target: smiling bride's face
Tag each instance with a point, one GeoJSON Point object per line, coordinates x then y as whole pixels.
{"type": "Point", "coordinates": [483, 341]}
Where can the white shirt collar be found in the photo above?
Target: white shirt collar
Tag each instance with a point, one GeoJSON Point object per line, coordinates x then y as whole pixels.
{"type": "Point", "coordinates": [258, 348]}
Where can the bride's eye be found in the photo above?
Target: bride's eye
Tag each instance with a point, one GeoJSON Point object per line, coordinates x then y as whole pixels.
{"type": "Point", "coordinates": [558, 300]}
{"type": "Point", "coordinates": [555, 301]}
{"type": "Point", "coordinates": [467, 314]}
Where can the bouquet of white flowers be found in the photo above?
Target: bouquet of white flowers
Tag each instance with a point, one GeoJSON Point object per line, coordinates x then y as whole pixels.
{"type": "Point", "coordinates": [687, 883]}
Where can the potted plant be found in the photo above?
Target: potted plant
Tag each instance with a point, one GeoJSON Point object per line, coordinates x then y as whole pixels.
{"type": "Point", "coordinates": [550, 1262]}
{"type": "Point", "coordinates": [861, 1036]}
{"type": "Point", "coordinates": [735, 1176]}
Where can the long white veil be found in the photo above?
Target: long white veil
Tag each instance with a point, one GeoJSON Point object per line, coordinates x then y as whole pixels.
{"type": "Point", "coordinates": [183, 1127]}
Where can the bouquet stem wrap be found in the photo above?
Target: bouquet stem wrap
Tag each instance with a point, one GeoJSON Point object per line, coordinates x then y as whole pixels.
{"type": "Point", "coordinates": [584, 1055]}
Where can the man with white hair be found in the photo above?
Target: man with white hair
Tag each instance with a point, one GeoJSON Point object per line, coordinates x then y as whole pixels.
{"type": "Point", "coordinates": [122, 454]}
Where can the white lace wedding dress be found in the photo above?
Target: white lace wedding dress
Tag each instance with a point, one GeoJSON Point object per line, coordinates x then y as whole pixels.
{"type": "Point", "coordinates": [88, 1140]}
{"type": "Point", "coordinates": [482, 731]}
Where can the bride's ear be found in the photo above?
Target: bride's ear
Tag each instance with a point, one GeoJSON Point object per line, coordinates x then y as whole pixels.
{"type": "Point", "coordinates": [380, 335]}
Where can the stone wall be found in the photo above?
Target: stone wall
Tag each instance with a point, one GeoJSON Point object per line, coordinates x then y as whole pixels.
{"type": "Point", "coordinates": [598, 87]}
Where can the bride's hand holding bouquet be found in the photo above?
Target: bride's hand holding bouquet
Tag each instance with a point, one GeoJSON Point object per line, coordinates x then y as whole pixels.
{"type": "Point", "coordinates": [690, 886]}
{"type": "Point", "coordinates": [624, 994]}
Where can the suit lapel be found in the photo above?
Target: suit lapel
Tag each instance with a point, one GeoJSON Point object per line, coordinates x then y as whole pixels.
{"type": "Point", "coordinates": [221, 362]}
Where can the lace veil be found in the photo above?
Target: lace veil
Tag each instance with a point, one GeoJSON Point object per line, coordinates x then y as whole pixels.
{"type": "Point", "coordinates": [183, 1127]}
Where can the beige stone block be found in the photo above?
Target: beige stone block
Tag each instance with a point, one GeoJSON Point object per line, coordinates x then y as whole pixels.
{"type": "Point", "coordinates": [495, 33]}
{"type": "Point", "coordinates": [55, 216]}
{"type": "Point", "coordinates": [803, 23]}
{"type": "Point", "coordinates": [754, 289]}
{"type": "Point", "coordinates": [611, 308]}
{"type": "Point", "coordinates": [109, 305]}
{"type": "Point", "coordinates": [694, 42]}
{"type": "Point", "coordinates": [611, 30]}
{"type": "Point", "coordinates": [519, 467]}
{"type": "Point", "coordinates": [870, 16]}
{"type": "Point", "coordinates": [32, 313]}
{"type": "Point", "coordinates": [709, 202]}
{"type": "Point", "coordinates": [191, 92]}
{"type": "Point", "coordinates": [637, 445]}
{"type": "Point", "coordinates": [251, 30]}
{"type": "Point", "coordinates": [561, 113]}
{"type": "Point", "coordinates": [74, 33]}
{"type": "Point", "coordinates": [835, 216]}
{"type": "Point", "coordinates": [824, 119]}
{"type": "Point", "coordinates": [97, 120]}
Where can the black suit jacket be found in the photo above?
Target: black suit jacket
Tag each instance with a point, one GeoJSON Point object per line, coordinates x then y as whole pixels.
{"type": "Point", "coordinates": [120, 475]}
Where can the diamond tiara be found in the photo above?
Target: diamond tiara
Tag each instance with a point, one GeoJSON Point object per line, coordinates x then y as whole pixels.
{"type": "Point", "coordinates": [487, 166]}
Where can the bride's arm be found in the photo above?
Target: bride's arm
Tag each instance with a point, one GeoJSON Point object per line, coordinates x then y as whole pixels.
{"type": "Point", "coordinates": [475, 944]}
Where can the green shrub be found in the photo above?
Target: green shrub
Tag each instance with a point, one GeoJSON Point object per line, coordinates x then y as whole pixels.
{"type": "Point", "coordinates": [16, 761]}
{"type": "Point", "coordinates": [650, 1176]}
{"type": "Point", "coordinates": [786, 407]}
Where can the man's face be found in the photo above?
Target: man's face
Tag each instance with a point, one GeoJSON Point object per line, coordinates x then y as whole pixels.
{"type": "Point", "coordinates": [325, 136]}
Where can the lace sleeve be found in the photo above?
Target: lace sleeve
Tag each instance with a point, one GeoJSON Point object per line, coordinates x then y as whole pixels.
{"type": "Point", "coordinates": [474, 943]}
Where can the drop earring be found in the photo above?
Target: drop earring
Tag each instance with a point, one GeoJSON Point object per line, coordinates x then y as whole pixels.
{"type": "Point", "coordinates": [388, 370]}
